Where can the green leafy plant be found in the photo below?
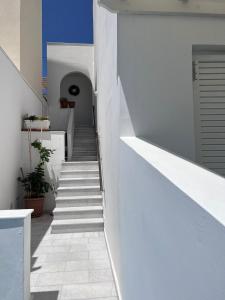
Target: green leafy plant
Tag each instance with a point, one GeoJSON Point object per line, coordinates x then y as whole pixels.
{"type": "Point", "coordinates": [36, 118]}
{"type": "Point", "coordinates": [34, 183]}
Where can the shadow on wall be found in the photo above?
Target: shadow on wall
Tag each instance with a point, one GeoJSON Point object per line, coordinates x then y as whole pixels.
{"type": "Point", "coordinates": [157, 90]}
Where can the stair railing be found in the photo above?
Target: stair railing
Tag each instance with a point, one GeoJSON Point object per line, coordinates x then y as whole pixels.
{"type": "Point", "coordinates": [99, 162]}
{"type": "Point", "coordinates": [98, 150]}
{"type": "Point", "coordinates": [70, 134]}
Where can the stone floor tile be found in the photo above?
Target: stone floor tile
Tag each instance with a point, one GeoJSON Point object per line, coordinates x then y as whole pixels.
{"type": "Point", "coordinates": [79, 255]}
{"type": "Point", "coordinates": [87, 265]}
{"type": "Point", "coordinates": [33, 280]}
{"type": "Point", "coordinates": [97, 255]}
{"type": "Point", "coordinates": [48, 267]}
{"type": "Point", "coordinates": [69, 266]}
{"type": "Point", "coordinates": [97, 246]}
{"type": "Point", "coordinates": [51, 249]}
{"type": "Point", "coordinates": [62, 278]}
{"type": "Point", "coordinates": [100, 276]}
{"type": "Point", "coordinates": [87, 291]}
{"type": "Point", "coordinates": [57, 257]}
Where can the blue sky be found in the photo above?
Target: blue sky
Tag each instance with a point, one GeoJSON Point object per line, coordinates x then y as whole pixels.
{"type": "Point", "coordinates": [68, 21]}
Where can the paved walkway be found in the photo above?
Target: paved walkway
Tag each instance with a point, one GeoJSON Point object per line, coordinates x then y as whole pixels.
{"type": "Point", "coordinates": [69, 266]}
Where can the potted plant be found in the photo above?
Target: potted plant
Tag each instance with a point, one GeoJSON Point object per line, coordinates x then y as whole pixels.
{"type": "Point", "coordinates": [37, 123]}
{"type": "Point", "coordinates": [34, 183]}
{"type": "Point", "coordinates": [72, 104]}
{"type": "Point", "coordinates": [64, 102]}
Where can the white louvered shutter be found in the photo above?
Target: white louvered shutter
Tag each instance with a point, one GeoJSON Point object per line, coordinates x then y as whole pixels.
{"type": "Point", "coordinates": [209, 90]}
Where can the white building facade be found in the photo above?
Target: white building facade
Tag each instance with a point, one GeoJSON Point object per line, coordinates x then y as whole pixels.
{"type": "Point", "coordinates": [156, 209]}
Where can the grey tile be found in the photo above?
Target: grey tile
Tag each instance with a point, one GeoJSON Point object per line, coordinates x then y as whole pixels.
{"type": "Point", "coordinates": [69, 266]}
{"type": "Point", "coordinates": [51, 249]}
{"type": "Point", "coordinates": [97, 255]}
{"type": "Point", "coordinates": [86, 291]}
{"type": "Point", "coordinates": [62, 278]}
{"type": "Point", "coordinates": [100, 276]}
{"type": "Point", "coordinates": [79, 255]}
{"type": "Point", "coordinates": [48, 267]}
{"type": "Point", "coordinates": [87, 265]}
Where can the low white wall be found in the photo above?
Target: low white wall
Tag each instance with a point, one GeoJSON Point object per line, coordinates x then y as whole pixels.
{"type": "Point", "coordinates": [62, 60]}
{"type": "Point", "coordinates": [52, 140]}
{"type": "Point", "coordinates": [172, 226]}
{"type": "Point", "coordinates": [169, 7]}
{"type": "Point", "coordinates": [17, 99]}
{"type": "Point", "coordinates": [15, 254]}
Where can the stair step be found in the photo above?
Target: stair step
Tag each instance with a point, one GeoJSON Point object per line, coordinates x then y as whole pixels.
{"type": "Point", "coordinates": [84, 165]}
{"type": "Point", "coordinates": [85, 151]}
{"type": "Point", "coordinates": [77, 225]}
{"type": "Point", "coordinates": [83, 158]}
{"type": "Point", "coordinates": [86, 212]}
{"type": "Point", "coordinates": [79, 174]}
{"type": "Point", "coordinates": [80, 141]}
{"type": "Point", "coordinates": [73, 182]}
{"type": "Point", "coordinates": [85, 134]}
{"type": "Point", "coordinates": [76, 201]}
{"type": "Point", "coordinates": [79, 191]}
{"type": "Point", "coordinates": [88, 154]}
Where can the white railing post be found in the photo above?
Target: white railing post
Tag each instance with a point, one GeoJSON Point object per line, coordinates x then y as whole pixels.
{"type": "Point", "coordinates": [70, 134]}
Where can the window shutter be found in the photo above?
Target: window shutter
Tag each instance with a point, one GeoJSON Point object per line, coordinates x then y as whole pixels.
{"type": "Point", "coordinates": [209, 90]}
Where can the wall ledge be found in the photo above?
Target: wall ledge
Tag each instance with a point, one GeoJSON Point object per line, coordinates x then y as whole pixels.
{"type": "Point", "coordinates": [199, 184]}
{"type": "Point", "coordinates": [15, 214]}
{"type": "Point", "coordinates": [175, 7]}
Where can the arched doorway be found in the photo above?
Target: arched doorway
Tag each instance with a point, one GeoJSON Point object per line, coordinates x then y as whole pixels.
{"type": "Point", "coordinates": [78, 87]}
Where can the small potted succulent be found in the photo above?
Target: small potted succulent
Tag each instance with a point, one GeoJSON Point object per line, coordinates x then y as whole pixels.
{"type": "Point", "coordinates": [37, 123]}
{"type": "Point", "coordinates": [34, 183]}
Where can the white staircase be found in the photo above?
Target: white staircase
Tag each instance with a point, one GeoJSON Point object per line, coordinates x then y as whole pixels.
{"type": "Point", "coordinates": [79, 199]}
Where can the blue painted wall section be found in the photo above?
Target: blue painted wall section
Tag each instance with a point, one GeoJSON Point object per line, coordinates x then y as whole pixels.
{"type": "Point", "coordinates": [66, 21]}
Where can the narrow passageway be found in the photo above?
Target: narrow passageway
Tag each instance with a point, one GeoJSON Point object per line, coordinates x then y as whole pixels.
{"type": "Point", "coordinates": [69, 266]}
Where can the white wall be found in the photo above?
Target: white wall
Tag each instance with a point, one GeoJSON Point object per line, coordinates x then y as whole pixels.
{"type": "Point", "coordinates": [172, 226]}
{"type": "Point", "coordinates": [108, 115]}
{"type": "Point", "coordinates": [62, 60]}
{"type": "Point", "coordinates": [21, 37]}
{"type": "Point", "coordinates": [17, 100]}
{"type": "Point", "coordinates": [156, 74]}
{"type": "Point", "coordinates": [31, 42]}
{"type": "Point", "coordinates": [144, 89]}
{"type": "Point", "coordinates": [173, 6]}
{"type": "Point", "coordinates": [15, 254]}
{"type": "Point", "coordinates": [10, 29]}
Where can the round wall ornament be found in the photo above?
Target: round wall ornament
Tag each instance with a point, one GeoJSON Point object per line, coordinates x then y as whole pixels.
{"type": "Point", "coordinates": [74, 90]}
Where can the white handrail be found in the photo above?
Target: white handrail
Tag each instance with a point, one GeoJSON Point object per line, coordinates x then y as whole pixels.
{"type": "Point", "coordinates": [70, 134]}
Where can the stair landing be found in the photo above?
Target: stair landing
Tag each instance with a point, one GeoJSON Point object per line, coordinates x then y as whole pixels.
{"type": "Point", "coordinates": [69, 265]}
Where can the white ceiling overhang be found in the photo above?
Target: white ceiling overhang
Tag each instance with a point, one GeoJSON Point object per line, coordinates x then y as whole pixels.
{"type": "Point", "coordinates": [209, 7]}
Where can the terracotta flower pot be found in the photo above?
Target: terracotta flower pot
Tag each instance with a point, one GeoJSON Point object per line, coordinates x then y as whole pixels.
{"type": "Point", "coordinates": [72, 104]}
{"type": "Point", "coordinates": [37, 204]}
{"type": "Point", "coordinates": [64, 103]}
